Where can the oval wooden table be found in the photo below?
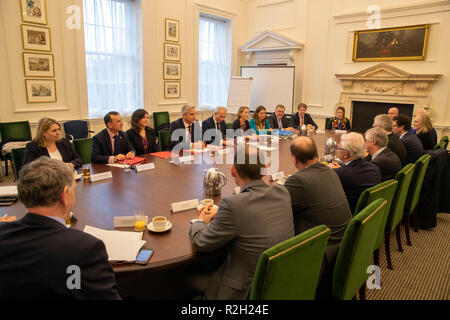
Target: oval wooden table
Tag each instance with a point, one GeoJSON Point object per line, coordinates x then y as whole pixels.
{"type": "Point", "coordinates": [153, 191]}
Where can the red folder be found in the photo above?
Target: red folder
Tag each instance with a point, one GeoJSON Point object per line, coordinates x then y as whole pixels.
{"type": "Point", "coordinates": [162, 155]}
{"type": "Point", "coordinates": [134, 161]}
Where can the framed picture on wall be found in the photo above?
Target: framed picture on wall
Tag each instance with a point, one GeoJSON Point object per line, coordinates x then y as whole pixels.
{"type": "Point", "coordinates": [41, 90]}
{"type": "Point", "coordinates": [401, 43]}
{"type": "Point", "coordinates": [172, 52]}
{"type": "Point", "coordinates": [34, 11]}
{"type": "Point", "coordinates": [172, 30]}
{"type": "Point", "coordinates": [171, 71]}
{"type": "Point", "coordinates": [36, 38]}
{"type": "Point", "coordinates": [38, 65]}
{"type": "Point", "coordinates": [172, 89]}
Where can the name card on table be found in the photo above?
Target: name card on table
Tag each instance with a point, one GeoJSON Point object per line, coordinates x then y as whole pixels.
{"type": "Point", "coordinates": [186, 159]}
{"type": "Point", "coordinates": [143, 167]}
{"type": "Point", "coordinates": [278, 176]}
{"type": "Point", "coordinates": [265, 148]}
{"type": "Point", "coordinates": [340, 131]}
{"type": "Point", "coordinates": [122, 222]}
{"type": "Point", "coordinates": [185, 205]}
{"type": "Point", "coordinates": [101, 176]}
{"type": "Point", "coordinates": [223, 151]}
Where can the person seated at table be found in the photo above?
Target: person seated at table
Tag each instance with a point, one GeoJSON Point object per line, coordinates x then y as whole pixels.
{"type": "Point", "coordinates": [356, 174]}
{"type": "Point", "coordinates": [259, 122]}
{"type": "Point", "coordinates": [386, 160]}
{"type": "Point", "coordinates": [413, 146]}
{"type": "Point", "coordinates": [40, 255]}
{"type": "Point", "coordinates": [339, 121]}
{"type": "Point", "coordinates": [48, 142]}
{"type": "Point", "coordinates": [394, 144]}
{"type": "Point", "coordinates": [185, 133]}
{"type": "Point", "coordinates": [141, 136]}
{"type": "Point", "coordinates": [241, 124]}
{"type": "Point", "coordinates": [428, 112]}
{"type": "Point", "coordinates": [393, 112]}
{"type": "Point", "coordinates": [302, 118]}
{"type": "Point", "coordinates": [423, 128]}
{"type": "Point", "coordinates": [6, 218]}
{"type": "Point", "coordinates": [247, 223]}
{"type": "Point", "coordinates": [216, 126]}
{"type": "Point", "coordinates": [278, 119]}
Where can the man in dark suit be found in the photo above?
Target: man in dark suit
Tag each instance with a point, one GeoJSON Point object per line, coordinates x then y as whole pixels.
{"type": "Point", "coordinates": [111, 144]}
{"type": "Point", "coordinates": [356, 174]}
{"type": "Point", "coordinates": [387, 161]}
{"type": "Point", "coordinates": [413, 146]}
{"type": "Point", "coordinates": [186, 132]}
{"type": "Point", "coordinates": [302, 118]}
{"type": "Point", "coordinates": [214, 128]}
{"type": "Point", "coordinates": [278, 119]}
{"type": "Point", "coordinates": [394, 144]}
{"type": "Point", "coordinates": [248, 223]}
{"type": "Point", "coordinates": [40, 257]}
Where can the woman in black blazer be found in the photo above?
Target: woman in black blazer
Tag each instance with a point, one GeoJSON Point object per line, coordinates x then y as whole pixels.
{"type": "Point", "coordinates": [242, 121]}
{"type": "Point", "coordinates": [48, 143]}
{"type": "Point", "coordinates": [423, 127]}
{"type": "Point", "coordinates": [340, 122]}
{"type": "Point", "coordinates": [140, 135]}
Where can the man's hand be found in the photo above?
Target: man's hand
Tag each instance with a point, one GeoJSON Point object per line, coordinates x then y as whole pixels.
{"type": "Point", "coordinates": [333, 165]}
{"type": "Point", "coordinates": [119, 157]}
{"type": "Point", "coordinates": [207, 213]}
{"type": "Point", "coordinates": [130, 155]}
{"type": "Point", "coordinates": [5, 218]}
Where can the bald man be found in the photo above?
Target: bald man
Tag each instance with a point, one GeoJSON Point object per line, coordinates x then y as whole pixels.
{"type": "Point", "coordinates": [216, 126]}
{"type": "Point", "coordinates": [393, 112]}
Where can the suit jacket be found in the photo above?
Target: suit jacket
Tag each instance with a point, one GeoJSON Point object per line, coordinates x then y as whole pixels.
{"type": "Point", "coordinates": [218, 135]}
{"type": "Point", "coordinates": [397, 147]}
{"type": "Point", "coordinates": [413, 146]}
{"type": "Point", "coordinates": [236, 126]}
{"type": "Point", "coordinates": [137, 144]}
{"type": "Point", "coordinates": [388, 163]}
{"type": "Point", "coordinates": [311, 208]}
{"type": "Point", "coordinates": [295, 120]}
{"type": "Point", "coordinates": [102, 149]}
{"type": "Point", "coordinates": [196, 134]}
{"type": "Point", "coordinates": [273, 121]}
{"type": "Point", "coordinates": [65, 148]}
{"type": "Point", "coordinates": [250, 222]}
{"type": "Point", "coordinates": [356, 177]}
{"type": "Point", "coordinates": [433, 134]}
{"type": "Point", "coordinates": [36, 252]}
{"type": "Point", "coordinates": [427, 140]}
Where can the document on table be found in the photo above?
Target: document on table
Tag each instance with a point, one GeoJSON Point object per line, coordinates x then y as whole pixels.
{"type": "Point", "coordinates": [120, 245]}
{"type": "Point", "coordinates": [9, 191]}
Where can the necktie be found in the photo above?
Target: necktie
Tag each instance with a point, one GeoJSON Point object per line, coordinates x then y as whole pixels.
{"type": "Point", "coordinates": [190, 132]}
{"type": "Point", "coordinates": [302, 121]}
{"type": "Point", "coordinates": [280, 126]}
{"type": "Point", "coordinates": [218, 126]}
{"type": "Point", "coordinates": [116, 145]}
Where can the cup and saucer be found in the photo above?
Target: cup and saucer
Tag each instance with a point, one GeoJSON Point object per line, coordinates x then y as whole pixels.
{"type": "Point", "coordinates": [207, 202]}
{"type": "Point", "coordinates": [159, 224]}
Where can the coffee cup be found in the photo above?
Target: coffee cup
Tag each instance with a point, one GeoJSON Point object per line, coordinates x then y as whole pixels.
{"type": "Point", "coordinates": [159, 222]}
{"type": "Point", "coordinates": [207, 202]}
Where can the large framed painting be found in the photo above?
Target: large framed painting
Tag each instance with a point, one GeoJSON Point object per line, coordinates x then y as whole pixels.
{"type": "Point", "coordinates": [38, 65]}
{"type": "Point", "coordinates": [36, 38]}
{"type": "Point", "coordinates": [172, 71]}
{"type": "Point", "coordinates": [40, 91]}
{"type": "Point", "coordinates": [34, 11]}
{"type": "Point", "coordinates": [172, 30]}
{"type": "Point", "coordinates": [401, 43]}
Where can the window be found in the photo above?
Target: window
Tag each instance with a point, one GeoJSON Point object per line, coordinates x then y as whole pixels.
{"type": "Point", "coordinates": [113, 56]}
{"type": "Point", "coordinates": [214, 61]}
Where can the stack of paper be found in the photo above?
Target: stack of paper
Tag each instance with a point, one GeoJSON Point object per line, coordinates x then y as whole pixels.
{"type": "Point", "coordinates": [9, 191]}
{"type": "Point", "coordinates": [120, 245]}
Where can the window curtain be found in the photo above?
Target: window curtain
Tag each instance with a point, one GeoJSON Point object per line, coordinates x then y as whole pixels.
{"type": "Point", "coordinates": [112, 57]}
{"type": "Point", "coordinates": [214, 63]}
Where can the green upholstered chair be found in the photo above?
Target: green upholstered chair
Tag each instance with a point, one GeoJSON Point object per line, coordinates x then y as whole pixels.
{"type": "Point", "coordinates": [438, 146]}
{"type": "Point", "coordinates": [84, 148]}
{"type": "Point", "coordinates": [413, 196]}
{"type": "Point", "coordinates": [290, 270]}
{"type": "Point", "coordinates": [164, 137]}
{"type": "Point", "coordinates": [384, 190]}
{"type": "Point", "coordinates": [356, 251]}
{"type": "Point", "coordinates": [229, 125]}
{"type": "Point", "coordinates": [14, 131]}
{"type": "Point", "coordinates": [161, 121]}
{"type": "Point", "coordinates": [403, 177]}
{"type": "Point", "coordinates": [328, 123]}
{"type": "Point", "coordinates": [18, 154]}
{"type": "Point", "coordinates": [444, 140]}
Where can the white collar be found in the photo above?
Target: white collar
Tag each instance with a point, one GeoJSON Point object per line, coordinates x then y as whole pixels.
{"type": "Point", "coordinates": [377, 153]}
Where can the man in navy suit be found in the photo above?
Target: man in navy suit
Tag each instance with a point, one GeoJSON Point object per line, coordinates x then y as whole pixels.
{"type": "Point", "coordinates": [385, 122]}
{"type": "Point", "coordinates": [40, 258]}
{"type": "Point", "coordinates": [214, 128]}
{"type": "Point", "coordinates": [186, 132]}
{"type": "Point", "coordinates": [302, 118]}
{"type": "Point", "coordinates": [111, 144]}
{"type": "Point", "coordinates": [356, 174]}
{"type": "Point", "coordinates": [413, 146]}
{"type": "Point", "coordinates": [278, 119]}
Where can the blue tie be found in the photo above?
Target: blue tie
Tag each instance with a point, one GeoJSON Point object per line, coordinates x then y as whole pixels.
{"type": "Point", "coordinates": [116, 145]}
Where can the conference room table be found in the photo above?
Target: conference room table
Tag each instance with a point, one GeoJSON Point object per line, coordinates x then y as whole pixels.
{"type": "Point", "coordinates": [175, 260]}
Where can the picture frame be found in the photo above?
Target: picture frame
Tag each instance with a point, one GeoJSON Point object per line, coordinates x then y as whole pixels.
{"type": "Point", "coordinates": [38, 65]}
{"type": "Point", "coordinates": [171, 71]}
{"type": "Point", "coordinates": [390, 44]}
{"type": "Point", "coordinates": [41, 90]}
{"type": "Point", "coordinates": [172, 30]}
{"type": "Point", "coordinates": [36, 38]}
{"type": "Point", "coordinates": [172, 89]}
{"type": "Point", "coordinates": [34, 11]}
{"type": "Point", "coordinates": [172, 51]}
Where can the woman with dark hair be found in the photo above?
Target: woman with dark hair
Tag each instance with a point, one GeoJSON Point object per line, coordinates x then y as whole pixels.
{"type": "Point", "coordinates": [140, 135]}
{"type": "Point", "coordinates": [340, 122]}
{"type": "Point", "coordinates": [259, 123]}
{"type": "Point", "coordinates": [242, 121]}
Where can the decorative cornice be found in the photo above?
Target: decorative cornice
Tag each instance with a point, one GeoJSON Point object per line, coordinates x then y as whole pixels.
{"type": "Point", "coordinates": [280, 43]}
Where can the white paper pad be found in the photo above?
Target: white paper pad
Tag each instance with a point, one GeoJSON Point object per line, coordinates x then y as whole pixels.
{"type": "Point", "coordinates": [264, 148]}
{"type": "Point", "coordinates": [118, 165]}
{"type": "Point", "coordinates": [9, 191]}
{"type": "Point", "coordinates": [120, 245]}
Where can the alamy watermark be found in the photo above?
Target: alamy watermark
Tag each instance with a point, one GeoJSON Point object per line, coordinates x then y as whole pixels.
{"type": "Point", "coordinates": [74, 280]}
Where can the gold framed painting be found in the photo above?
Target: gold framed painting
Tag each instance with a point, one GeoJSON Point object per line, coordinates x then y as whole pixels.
{"type": "Point", "coordinates": [389, 44]}
{"type": "Point", "coordinates": [172, 52]}
{"type": "Point", "coordinates": [34, 11]}
{"type": "Point", "coordinates": [41, 90]}
{"type": "Point", "coordinates": [36, 38]}
{"type": "Point", "coordinates": [38, 65]}
{"type": "Point", "coordinates": [171, 71]}
{"type": "Point", "coordinates": [172, 89]}
{"type": "Point", "coordinates": [172, 30]}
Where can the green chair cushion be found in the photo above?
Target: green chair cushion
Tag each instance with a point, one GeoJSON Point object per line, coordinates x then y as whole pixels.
{"type": "Point", "coordinates": [415, 187]}
{"type": "Point", "coordinates": [84, 148]}
{"type": "Point", "coordinates": [18, 154]}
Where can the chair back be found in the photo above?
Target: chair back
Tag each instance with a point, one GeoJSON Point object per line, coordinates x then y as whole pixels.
{"type": "Point", "coordinates": [356, 250]}
{"type": "Point", "coordinates": [438, 146]}
{"type": "Point", "coordinates": [84, 148]}
{"type": "Point", "coordinates": [229, 125]}
{"type": "Point", "coordinates": [15, 130]}
{"type": "Point", "coordinates": [18, 155]}
{"type": "Point", "coordinates": [412, 199]}
{"type": "Point", "coordinates": [161, 121]}
{"type": "Point", "coordinates": [290, 270]}
{"type": "Point", "coordinates": [328, 123]}
{"type": "Point", "coordinates": [76, 129]}
{"type": "Point", "coordinates": [444, 139]}
{"type": "Point", "coordinates": [404, 178]}
{"type": "Point", "coordinates": [164, 137]}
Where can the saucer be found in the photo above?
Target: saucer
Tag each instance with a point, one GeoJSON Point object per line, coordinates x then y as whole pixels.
{"type": "Point", "coordinates": [168, 226]}
{"type": "Point", "coordinates": [201, 206]}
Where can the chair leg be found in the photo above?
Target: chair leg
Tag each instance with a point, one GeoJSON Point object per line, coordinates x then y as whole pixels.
{"type": "Point", "coordinates": [376, 257]}
{"type": "Point", "coordinates": [414, 220]}
{"type": "Point", "coordinates": [407, 223]}
{"type": "Point", "coordinates": [399, 239]}
{"type": "Point", "coordinates": [362, 292]}
{"type": "Point", "coordinates": [387, 247]}
{"type": "Point", "coordinates": [6, 166]}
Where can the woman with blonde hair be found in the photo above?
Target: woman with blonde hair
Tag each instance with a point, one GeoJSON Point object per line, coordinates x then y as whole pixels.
{"type": "Point", "coordinates": [242, 121]}
{"type": "Point", "coordinates": [48, 143]}
{"type": "Point", "coordinates": [259, 123]}
{"type": "Point", "coordinates": [423, 127]}
{"type": "Point", "coordinates": [339, 121]}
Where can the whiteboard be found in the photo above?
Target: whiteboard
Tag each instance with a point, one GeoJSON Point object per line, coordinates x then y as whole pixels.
{"type": "Point", "coordinates": [240, 93]}
{"type": "Point", "coordinates": [272, 85]}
